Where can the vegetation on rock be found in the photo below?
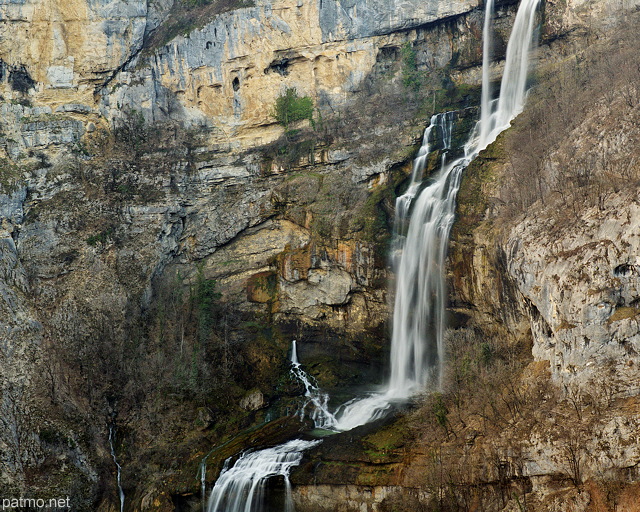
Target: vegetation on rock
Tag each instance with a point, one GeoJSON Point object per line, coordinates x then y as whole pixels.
{"type": "Point", "coordinates": [144, 328]}
{"type": "Point", "coordinates": [290, 108]}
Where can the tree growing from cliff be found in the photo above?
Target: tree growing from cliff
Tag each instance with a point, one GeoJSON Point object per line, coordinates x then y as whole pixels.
{"type": "Point", "coordinates": [411, 78]}
{"type": "Point", "coordinates": [291, 108]}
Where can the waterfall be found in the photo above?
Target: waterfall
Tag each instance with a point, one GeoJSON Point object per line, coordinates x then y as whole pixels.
{"type": "Point", "coordinates": [202, 473]}
{"type": "Point", "coordinates": [417, 345]}
{"type": "Point", "coordinates": [417, 348]}
{"type": "Point", "coordinates": [294, 353]}
{"type": "Point", "coordinates": [497, 116]}
{"type": "Point", "coordinates": [241, 487]}
{"type": "Point", "coordinates": [119, 474]}
{"type": "Point", "coordinates": [203, 481]}
{"type": "Point", "coordinates": [441, 125]}
{"type": "Point", "coordinates": [485, 100]}
{"type": "Point", "coordinates": [418, 317]}
{"type": "Point", "coordinates": [412, 310]}
{"type": "Point", "coordinates": [316, 399]}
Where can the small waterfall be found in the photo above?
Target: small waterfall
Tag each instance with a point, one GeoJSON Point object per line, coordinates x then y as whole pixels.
{"type": "Point", "coordinates": [119, 474]}
{"type": "Point", "coordinates": [294, 353]}
{"type": "Point", "coordinates": [417, 347]}
{"type": "Point", "coordinates": [203, 482]}
{"type": "Point", "coordinates": [314, 397]}
{"type": "Point", "coordinates": [241, 487]}
{"type": "Point", "coordinates": [202, 473]}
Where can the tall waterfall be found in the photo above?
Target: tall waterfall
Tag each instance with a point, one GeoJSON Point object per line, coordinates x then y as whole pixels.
{"type": "Point", "coordinates": [417, 348]}
{"type": "Point", "coordinates": [417, 345]}
{"type": "Point", "coordinates": [513, 88]}
{"type": "Point", "coordinates": [409, 361]}
{"type": "Point", "coordinates": [410, 355]}
{"type": "Point", "coordinates": [485, 99]}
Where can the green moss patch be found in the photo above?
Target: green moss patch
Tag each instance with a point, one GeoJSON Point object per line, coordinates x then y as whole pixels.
{"type": "Point", "coordinates": [478, 182]}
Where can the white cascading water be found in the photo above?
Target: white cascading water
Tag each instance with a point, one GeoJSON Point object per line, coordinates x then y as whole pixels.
{"type": "Point", "coordinates": [406, 358]}
{"type": "Point", "coordinates": [417, 349]}
{"type": "Point", "coordinates": [203, 481]}
{"type": "Point", "coordinates": [202, 472]}
{"type": "Point", "coordinates": [485, 99]}
{"type": "Point", "coordinates": [417, 346]}
{"type": "Point", "coordinates": [441, 125]}
{"type": "Point", "coordinates": [315, 399]}
{"type": "Point", "coordinates": [241, 488]}
{"type": "Point", "coordinates": [513, 88]}
{"type": "Point", "coordinates": [119, 474]}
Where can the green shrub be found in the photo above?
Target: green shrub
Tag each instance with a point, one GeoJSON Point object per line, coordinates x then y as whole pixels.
{"type": "Point", "coordinates": [290, 108]}
{"type": "Point", "coordinates": [440, 411]}
{"type": "Point", "coordinates": [101, 238]}
{"type": "Point", "coordinates": [410, 76]}
{"type": "Point", "coordinates": [132, 132]}
{"type": "Point", "coordinates": [205, 302]}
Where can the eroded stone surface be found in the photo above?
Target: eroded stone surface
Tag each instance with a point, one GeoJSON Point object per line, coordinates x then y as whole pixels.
{"type": "Point", "coordinates": [582, 280]}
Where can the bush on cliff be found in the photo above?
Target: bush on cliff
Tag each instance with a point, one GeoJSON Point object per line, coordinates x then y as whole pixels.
{"type": "Point", "coordinates": [291, 108]}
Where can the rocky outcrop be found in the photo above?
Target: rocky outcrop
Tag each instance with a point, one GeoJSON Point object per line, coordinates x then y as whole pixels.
{"type": "Point", "coordinates": [581, 280]}
{"type": "Point", "coordinates": [67, 48]}
{"type": "Point", "coordinates": [571, 277]}
{"type": "Point", "coordinates": [215, 76]}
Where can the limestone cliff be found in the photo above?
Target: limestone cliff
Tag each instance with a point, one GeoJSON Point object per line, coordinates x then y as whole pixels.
{"type": "Point", "coordinates": [157, 259]}
{"type": "Point", "coordinates": [163, 239]}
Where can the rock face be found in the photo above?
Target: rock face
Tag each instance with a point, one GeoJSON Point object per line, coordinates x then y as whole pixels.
{"type": "Point", "coordinates": [162, 239]}
{"type": "Point", "coordinates": [70, 45]}
{"type": "Point", "coordinates": [557, 271]}
{"type": "Point", "coordinates": [224, 73]}
{"type": "Point", "coordinates": [229, 72]}
{"type": "Point", "coordinates": [586, 327]}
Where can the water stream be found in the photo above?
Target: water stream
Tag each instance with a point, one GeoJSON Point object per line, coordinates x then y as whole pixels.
{"type": "Point", "coordinates": [417, 343]}
{"type": "Point", "coordinates": [118, 467]}
{"type": "Point", "coordinates": [241, 487]}
{"type": "Point", "coordinates": [316, 405]}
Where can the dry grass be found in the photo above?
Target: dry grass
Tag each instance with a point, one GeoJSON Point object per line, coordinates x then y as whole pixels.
{"type": "Point", "coordinates": [613, 497]}
{"type": "Point", "coordinates": [497, 409]}
{"type": "Point", "coordinates": [578, 140]}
